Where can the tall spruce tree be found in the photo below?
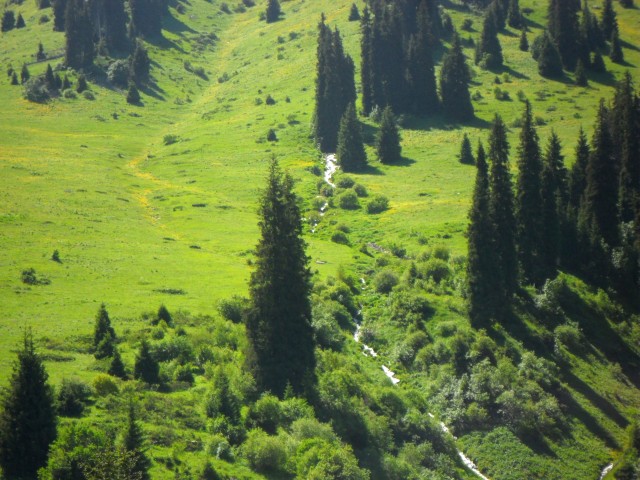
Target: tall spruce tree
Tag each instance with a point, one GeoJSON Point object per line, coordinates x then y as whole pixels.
{"type": "Point", "coordinates": [528, 200]}
{"type": "Point", "coordinates": [578, 174]}
{"type": "Point", "coordinates": [115, 25]}
{"type": "Point", "coordinates": [102, 327]}
{"type": "Point", "coordinates": [388, 145]}
{"type": "Point", "coordinates": [351, 154]}
{"type": "Point", "coordinates": [514, 15]}
{"type": "Point", "coordinates": [488, 49]}
{"type": "Point", "coordinates": [79, 48]}
{"type": "Point", "coordinates": [454, 83]}
{"type": "Point", "coordinates": [146, 17]}
{"type": "Point", "coordinates": [553, 197]}
{"type": "Point", "coordinates": [366, 66]}
{"type": "Point", "coordinates": [59, 9]}
{"type": "Point", "coordinates": [27, 416]}
{"type": "Point", "coordinates": [146, 367]}
{"type": "Point", "coordinates": [273, 11]}
{"type": "Point", "coordinates": [133, 444]}
{"type": "Point", "coordinates": [599, 208]}
{"type": "Point", "coordinates": [335, 87]}
{"type": "Point", "coordinates": [615, 52]}
{"type": "Point", "coordinates": [421, 79]}
{"type": "Point", "coordinates": [482, 281]}
{"type": "Point", "coordinates": [549, 60]}
{"type": "Point", "coordinates": [278, 323]}
{"type": "Point", "coordinates": [609, 20]}
{"type": "Point", "coordinates": [563, 28]}
{"type": "Point", "coordinates": [502, 213]}
{"type": "Point", "coordinates": [466, 155]}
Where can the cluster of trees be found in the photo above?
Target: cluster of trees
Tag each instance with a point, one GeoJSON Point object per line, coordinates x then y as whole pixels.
{"type": "Point", "coordinates": [9, 21]}
{"type": "Point", "coordinates": [398, 70]}
{"type": "Point", "coordinates": [586, 220]}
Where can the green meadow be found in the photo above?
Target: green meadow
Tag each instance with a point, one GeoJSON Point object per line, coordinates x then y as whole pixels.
{"type": "Point", "coordinates": [157, 204]}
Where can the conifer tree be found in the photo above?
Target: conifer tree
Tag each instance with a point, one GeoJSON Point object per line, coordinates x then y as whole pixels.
{"type": "Point", "coordinates": [563, 28]}
{"type": "Point", "coordinates": [273, 11]}
{"type": "Point", "coordinates": [140, 64]}
{"type": "Point", "coordinates": [115, 25]}
{"type": "Point", "coordinates": [14, 79]}
{"type": "Point", "coordinates": [24, 73]}
{"type": "Point", "coordinates": [553, 197]}
{"type": "Point", "coordinates": [549, 61]}
{"type": "Point", "coordinates": [102, 331]}
{"type": "Point", "coordinates": [27, 416]}
{"type": "Point", "coordinates": [454, 83]}
{"type": "Point", "coordinates": [597, 65]}
{"type": "Point", "coordinates": [482, 282]}
{"type": "Point", "coordinates": [514, 15]}
{"type": "Point", "coordinates": [502, 213]}
{"type": "Point", "coordinates": [146, 367]}
{"type": "Point", "coordinates": [59, 9]}
{"type": "Point", "coordinates": [599, 207]}
{"type": "Point", "coordinates": [82, 83]}
{"type": "Point", "coordinates": [581, 74]}
{"type": "Point", "coordinates": [354, 13]}
{"type": "Point", "coordinates": [279, 319]}
{"type": "Point", "coordinates": [466, 155]}
{"type": "Point", "coordinates": [609, 19]}
{"type": "Point", "coordinates": [421, 79]}
{"type": "Point", "coordinates": [49, 78]}
{"type": "Point", "coordinates": [20, 21]}
{"type": "Point", "coordinates": [116, 367]}
{"type": "Point", "coordinates": [488, 50]}
{"type": "Point", "coordinates": [528, 200]}
{"type": "Point", "coordinates": [66, 83]}
{"type": "Point", "coordinates": [615, 54]}
{"type": "Point", "coordinates": [133, 95]}
{"type": "Point", "coordinates": [209, 473]}
{"type": "Point", "coordinates": [8, 21]}
{"type": "Point", "coordinates": [351, 153]}
{"type": "Point", "coordinates": [524, 41]}
{"type": "Point", "coordinates": [79, 48]}
{"type": "Point", "coordinates": [335, 87]}
{"type": "Point", "coordinates": [133, 443]}
{"type": "Point", "coordinates": [578, 174]}
{"type": "Point", "coordinates": [366, 67]}
{"type": "Point", "coordinates": [40, 55]}
{"type": "Point", "coordinates": [388, 140]}
{"type": "Point", "coordinates": [146, 17]}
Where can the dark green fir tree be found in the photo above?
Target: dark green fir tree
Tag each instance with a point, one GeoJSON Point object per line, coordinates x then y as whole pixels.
{"type": "Point", "coordinates": [281, 342]}
{"type": "Point", "coordinates": [82, 83]}
{"type": "Point", "coordinates": [24, 73]}
{"type": "Point", "coordinates": [351, 154]}
{"type": "Point", "coordinates": [549, 61]}
{"type": "Point", "coordinates": [146, 367]}
{"type": "Point", "coordinates": [466, 155]}
{"type": "Point", "coordinates": [116, 367]}
{"type": "Point", "coordinates": [597, 65]}
{"type": "Point", "coordinates": [273, 11]}
{"type": "Point", "coordinates": [59, 9]}
{"type": "Point", "coordinates": [524, 41]}
{"type": "Point", "coordinates": [388, 145]}
{"type": "Point", "coordinates": [563, 28]}
{"type": "Point", "coordinates": [502, 213]}
{"type": "Point", "coordinates": [581, 79]}
{"type": "Point", "coordinates": [146, 17]}
{"type": "Point", "coordinates": [140, 64]}
{"type": "Point", "coordinates": [482, 281]}
{"type": "Point", "coordinates": [514, 15]}
{"type": "Point", "coordinates": [366, 67]}
{"type": "Point", "coordinates": [115, 26]}
{"type": "Point", "coordinates": [133, 442]}
{"type": "Point", "coordinates": [528, 200]}
{"type": "Point", "coordinates": [488, 49]}
{"type": "Point", "coordinates": [454, 83]}
{"type": "Point", "coordinates": [578, 173]}
{"type": "Point", "coordinates": [133, 95]}
{"type": "Point", "coordinates": [609, 20]}
{"type": "Point", "coordinates": [79, 47]}
{"type": "Point", "coordinates": [615, 52]}
{"type": "Point", "coordinates": [103, 334]}
{"type": "Point", "coordinates": [20, 21]}
{"type": "Point", "coordinates": [354, 13]}
{"type": "Point", "coordinates": [27, 416]}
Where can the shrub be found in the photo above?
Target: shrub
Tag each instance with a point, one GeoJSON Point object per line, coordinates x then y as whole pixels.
{"type": "Point", "coordinates": [170, 139]}
{"type": "Point", "coordinates": [184, 373]}
{"type": "Point", "coordinates": [270, 100]}
{"type": "Point", "coordinates": [69, 94]}
{"type": "Point", "coordinates": [133, 95]}
{"type": "Point", "coordinates": [340, 237]}
{"type": "Point", "coordinates": [345, 181]}
{"type": "Point", "coordinates": [360, 190]}
{"type": "Point", "coordinates": [377, 204]}
{"type": "Point", "coordinates": [568, 335]}
{"type": "Point", "coordinates": [118, 73]}
{"type": "Point", "coordinates": [272, 136]}
{"type": "Point", "coordinates": [467, 25]}
{"type": "Point", "coordinates": [348, 200]}
{"type": "Point", "coordinates": [265, 414]}
{"type": "Point", "coordinates": [88, 95]}
{"type": "Point", "coordinates": [104, 385]}
{"type": "Point", "coordinates": [35, 90]}
{"type": "Point", "coordinates": [326, 328]}
{"type": "Point", "coordinates": [384, 281]}
{"type": "Point", "coordinates": [436, 269]}
{"type": "Point", "coordinates": [233, 309]}
{"type": "Point", "coordinates": [264, 453]}
{"type": "Point", "coordinates": [72, 397]}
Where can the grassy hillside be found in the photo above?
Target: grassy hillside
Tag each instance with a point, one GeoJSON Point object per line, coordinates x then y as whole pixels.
{"type": "Point", "coordinates": [156, 204]}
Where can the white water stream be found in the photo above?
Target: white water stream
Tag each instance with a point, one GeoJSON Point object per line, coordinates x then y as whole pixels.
{"type": "Point", "coordinates": [606, 470]}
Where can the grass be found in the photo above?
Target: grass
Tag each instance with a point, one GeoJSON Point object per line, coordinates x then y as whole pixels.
{"type": "Point", "coordinates": [140, 221]}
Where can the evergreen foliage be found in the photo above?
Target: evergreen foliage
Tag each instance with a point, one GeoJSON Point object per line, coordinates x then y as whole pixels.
{"type": "Point", "coordinates": [421, 79]}
{"type": "Point", "coordinates": [146, 17]}
{"type": "Point", "coordinates": [549, 61]}
{"type": "Point", "coordinates": [581, 74]}
{"type": "Point", "coordinates": [350, 152]}
{"type": "Point", "coordinates": [82, 84]}
{"type": "Point", "coordinates": [335, 87]}
{"type": "Point", "coordinates": [366, 67]}
{"type": "Point", "coordinates": [488, 49]}
{"type": "Point", "coordinates": [388, 140]}
{"type": "Point", "coordinates": [27, 416]}
{"type": "Point", "coordinates": [146, 367]}
{"type": "Point", "coordinates": [20, 21]}
{"type": "Point", "coordinates": [608, 21]}
{"type": "Point", "coordinates": [501, 209]}
{"type": "Point", "coordinates": [528, 200]}
{"type": "Point", "coordinates": [466, 155]}
{"type": "Point", "coordinates": [273, 11]}
{"type": "Point", "coordinates": [563, 28]}
{"type": "Point", "coordinates": [59, 9]}
{"type": "Point", "coordinates": [49, 78]}
{"type": "Point", "coordinates": [615, 53]}
{"type": "Point", "coordinates": [454, 83]}
{"type": "Point", "coordinates": [279, 319]}
{"type": "Point", "coordinates": [115, 25]}
{"type": "Point", "coordinates": [578, 174]}
{"type": "Point", "coordinates": [133, 95]}
{"type": "Point", "coordinates": [599, 207]}
{"type": "Point", "coordinates": [524, 41]}
{"type": "Point", "coordinates": [514, 15]}
{"type": "Point", "coordinates": [209, 473]}
{"type": "Point", "coordinates": [482, 281]}
{"type": "Point", "coordinates": [79, 48]}
{"type": "Point", "coordinates": [116, 367]}
{"type": "Point", "coordinates": [140, 64]}
{"type": "Point", "coordinates": [14, 79]}
{"type": "Point", "coordinates": [597, 65]}
{"type": "Point", "coordinates": [8, 21]}
{"type": "Point", "coordinates": [354, 13]}
{"type": "Point", "coordinates": [103, 334]}
{"type": "Point", "coordinates": [133, 443]}
{"type": "Point", "coordinates": [24, 73]}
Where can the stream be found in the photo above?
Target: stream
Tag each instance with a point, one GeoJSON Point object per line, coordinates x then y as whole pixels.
{"type": "Point", "coordinates": [331, 166]}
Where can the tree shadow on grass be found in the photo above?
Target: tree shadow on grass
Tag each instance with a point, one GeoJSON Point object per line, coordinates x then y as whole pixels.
{"type": "Point", "coordinates": [164, 43]}
{"type": "Point", "coordinates": [174, 25]}
{"type": "Point", "coordinates": [629, 46]}
{"type": "Point", "coordinates": [513, 73]}
{"type": "Point", "coordinates": [370, 170]}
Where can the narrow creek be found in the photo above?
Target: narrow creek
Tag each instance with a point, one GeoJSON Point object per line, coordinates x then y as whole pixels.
{"type": "Point", "coordinates": [331, 166]}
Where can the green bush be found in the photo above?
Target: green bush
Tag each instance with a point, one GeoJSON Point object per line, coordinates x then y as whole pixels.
{"type": "Point", "coordinates": [104, 385]}
{"type": "Point", "coordinates": [348, 200]}
{"type": "Point", "coordinates": [265, 414]}
{"type": "Point", "coordinates": [265, 454]}
{"type": "Point", "coordinates": [72, 397]}
{"type": "Point", "coordinates": [435, 269]}
{"type": "Point", "coordinates": [377, 204]}
{"type": "Point", "coordinates": [344, 181]}
{"type": "Point", "coordinates": [340, 237]}
{"type": "Point", "coordinates": [384, 281]}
